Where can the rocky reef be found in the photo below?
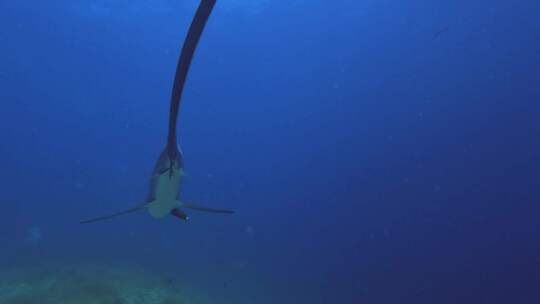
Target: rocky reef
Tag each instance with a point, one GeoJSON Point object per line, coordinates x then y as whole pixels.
{"type": "Point", "coordinates": [90, 285]}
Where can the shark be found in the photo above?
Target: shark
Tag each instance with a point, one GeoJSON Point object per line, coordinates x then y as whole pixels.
{"type": "Point", "coordinates": [164, 196]}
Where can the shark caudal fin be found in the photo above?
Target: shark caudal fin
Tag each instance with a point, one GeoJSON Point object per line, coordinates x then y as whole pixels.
{"type": "Point", "coordinates": [110, 216]}
{"type": "Point", "coordinates": [206, 209]}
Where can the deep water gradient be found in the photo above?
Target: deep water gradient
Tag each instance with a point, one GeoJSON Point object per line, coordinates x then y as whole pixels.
{"type": "Point", "coordinates": [375, 152]}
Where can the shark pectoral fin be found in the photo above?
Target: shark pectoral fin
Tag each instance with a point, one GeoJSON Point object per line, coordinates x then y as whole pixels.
{"type": "Point", "coordinates": [106, 217]}
{"type": "Point", "coordinates": [206, 209]}
{"type": "Point", "coordinates": [180, 214]}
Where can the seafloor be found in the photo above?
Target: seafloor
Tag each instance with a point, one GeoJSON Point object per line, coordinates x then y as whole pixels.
{"type": "Point", "coordinates": [90, 285]}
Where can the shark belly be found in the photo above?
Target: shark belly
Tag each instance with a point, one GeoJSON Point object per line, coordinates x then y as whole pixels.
{"type": "Point", "coordinates": [166, 192]}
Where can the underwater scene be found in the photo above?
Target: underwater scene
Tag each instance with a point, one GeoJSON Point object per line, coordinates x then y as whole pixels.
{"type": "Point", "coordinates": [263, 152]}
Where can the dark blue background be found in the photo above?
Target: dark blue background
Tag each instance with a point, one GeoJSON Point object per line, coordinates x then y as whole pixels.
{"type": "Point", "coordinates": [369, 159]}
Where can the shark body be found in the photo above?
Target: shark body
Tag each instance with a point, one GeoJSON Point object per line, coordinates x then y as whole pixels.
{"type": "Point", "coordinates": [165, 186]}
{"type": "Point", "coordinates": [165, 182]}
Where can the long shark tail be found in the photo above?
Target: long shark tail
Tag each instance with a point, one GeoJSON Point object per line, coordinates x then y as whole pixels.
{"type": "Point", "coordinates": [206, 209]}
{"type": "Point", "coordinates": [188, 50]}
{"type": "Point", "coordinates": [110, 216]}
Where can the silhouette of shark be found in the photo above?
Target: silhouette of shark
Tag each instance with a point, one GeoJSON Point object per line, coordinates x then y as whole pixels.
{"type": "Point", "coordinates": [165, 182]}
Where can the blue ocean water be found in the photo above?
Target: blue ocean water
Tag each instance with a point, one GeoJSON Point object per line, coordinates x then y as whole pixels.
{"type": "Point", "coordinates": [374, 151]}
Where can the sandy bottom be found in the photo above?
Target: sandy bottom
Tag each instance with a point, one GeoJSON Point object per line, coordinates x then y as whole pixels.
{"type": "Point", "coordinates": [90, 285]}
